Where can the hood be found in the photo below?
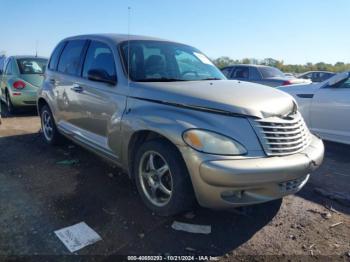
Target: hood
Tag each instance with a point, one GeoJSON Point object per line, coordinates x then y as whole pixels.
{"type": "Point", "coordinates": [228, 96]}
{"type": "Point", "coordinates": [33, 79]}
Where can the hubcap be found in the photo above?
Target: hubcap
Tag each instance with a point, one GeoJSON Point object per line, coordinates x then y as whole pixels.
{"type": "Point", "coordinates": [47, 125]}
{"type": "Point", "coordinates": [156, 178]}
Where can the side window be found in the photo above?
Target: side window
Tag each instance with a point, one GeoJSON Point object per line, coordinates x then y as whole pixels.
{"type": "Point", "coordinates": [254, 74]}
{"type": "Point", "coordinates": [345, 84]}
{"type": "Point", "coordinates": [99, 58]}
{"type": "Point", "coordinates": [227, 71]}
{"type": "Point", "coordinates": [241, 73]}
{"type": "Point", "coordinates": [307, 76]}
{"type": "Point", "coordinates": [55, 56]}
{"type": "Point", "coordinates": [70, 59]}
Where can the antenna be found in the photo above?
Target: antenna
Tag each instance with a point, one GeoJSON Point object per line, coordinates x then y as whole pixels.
{"type": "Point", "coordinates": [129, 16]}
{"type": "Point", "coordinates": [36, 48]}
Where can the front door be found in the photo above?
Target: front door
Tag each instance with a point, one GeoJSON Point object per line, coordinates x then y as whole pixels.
{"type": "Point", "coordinates": [330, 111]}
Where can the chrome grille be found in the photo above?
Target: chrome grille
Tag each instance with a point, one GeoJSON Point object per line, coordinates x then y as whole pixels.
{"type": "Point", "coordinates": [282, 135]}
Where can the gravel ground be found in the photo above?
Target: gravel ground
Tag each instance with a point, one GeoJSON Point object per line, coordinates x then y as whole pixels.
{"type": "Point", "coordinates": [39, 196]}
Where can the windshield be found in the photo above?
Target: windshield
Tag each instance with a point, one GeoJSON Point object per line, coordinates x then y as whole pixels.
{"type": "Point", "coordinates": [31, 65]}
{"type": "Point", "coordinates": [161, 61]}
{"type": "Point", "coordinates": [268, 72]}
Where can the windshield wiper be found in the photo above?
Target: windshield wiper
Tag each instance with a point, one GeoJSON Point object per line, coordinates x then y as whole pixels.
{"type": "Point", "coordinates": [162, 79]}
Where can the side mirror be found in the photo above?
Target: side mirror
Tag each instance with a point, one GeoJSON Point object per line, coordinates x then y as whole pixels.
{"type": "Point", "coordinates": [99, 75]}
{"type": "Point", "coordinates": [338, 78]}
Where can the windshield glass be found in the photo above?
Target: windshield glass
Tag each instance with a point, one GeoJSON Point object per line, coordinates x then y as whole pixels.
{"type": "Point", "coordinates": [31, 65]}
{"type": "Point", "coordinates": [161, 61]}
{"type": "Point", "coordinates": [268, 72]}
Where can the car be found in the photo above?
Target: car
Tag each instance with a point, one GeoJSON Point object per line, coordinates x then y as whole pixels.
{"type": "Point", "coordinates": [20, 81]}
{"type": "Point", "coordinates": [289, 74]}
{"type": "Point", "coordinates": [325, 107]}
{"type": "Point", "coordinates": [169, 118]}
{"type": "Point", "coordinates": [265, 75]}
{"type": "Point", "coordinates": [316, 76]}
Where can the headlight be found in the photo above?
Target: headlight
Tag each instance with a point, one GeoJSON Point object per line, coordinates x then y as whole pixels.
{"type": "Point", "coordinates": [212, 143]}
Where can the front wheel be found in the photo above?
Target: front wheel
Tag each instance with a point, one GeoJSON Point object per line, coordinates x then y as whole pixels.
{"type": "Point", "coordinates": [162, 178]}
{"type": "Point", "coordinates": [49, 128]}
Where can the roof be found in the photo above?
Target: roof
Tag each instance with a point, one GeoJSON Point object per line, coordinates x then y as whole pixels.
{"type": "Point", "coordinates": [26, 56]}
{"type": "Point", "coordinates": [248, 65]}
{"type": "Point", "coordinates": [117, 38]}
{"type": "Point", "coordinates": [318, 71]}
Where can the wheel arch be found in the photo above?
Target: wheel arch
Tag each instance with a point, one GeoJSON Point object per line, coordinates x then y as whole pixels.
{"type": "Point", "coordinates": [137, 139]}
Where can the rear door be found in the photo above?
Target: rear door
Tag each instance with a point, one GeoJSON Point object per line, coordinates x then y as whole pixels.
{"type": "Point", "coordinates": [330, 110]}
{"type": "Point", "coordinates": [100, 104]}
{"type": "Point", "coordinates": [66, 83]}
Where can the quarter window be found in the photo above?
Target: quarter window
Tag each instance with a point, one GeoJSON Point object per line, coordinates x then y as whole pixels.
{"type": "Point", "coordinates": [71, 58]}
{"type": "Point", "coordinates": [8, 69]}
{"type": "Point", "coordinates": [100, 57]}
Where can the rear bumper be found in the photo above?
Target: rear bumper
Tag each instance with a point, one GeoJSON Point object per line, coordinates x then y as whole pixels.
{"type": "Point", "coordinates": [230, 183]}
{"type": "Point", "coordinates": [23, 98]}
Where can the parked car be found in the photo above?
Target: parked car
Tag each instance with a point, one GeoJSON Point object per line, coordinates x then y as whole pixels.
{"type": "Point", "coordinates": [289, 74]}
{"type": "Point", "coordinates": [326, 107]}
{"type": "Point", "coordinates": [20, 81]}
{"type": "Point", "coordinates": [260, 74]}
{"type": "Point", "coordinates": [316, 76]}
{"type": "Point", "coordinates": [169, 118]}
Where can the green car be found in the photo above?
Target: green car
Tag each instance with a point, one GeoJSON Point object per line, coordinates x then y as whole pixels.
{"type": "Point", "coordinates": [20, 80]}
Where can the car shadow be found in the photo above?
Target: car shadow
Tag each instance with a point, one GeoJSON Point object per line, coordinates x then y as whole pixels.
{"type": "Point", "coordinates": [331, 180]}
{"type": "Point", "coordinates": [69, 185]}
{"type": "Point", "coordinates": [20, 112]}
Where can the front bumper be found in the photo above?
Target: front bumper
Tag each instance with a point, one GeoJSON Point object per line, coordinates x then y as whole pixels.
{"type": "Point", "coordinates": [239, 182]}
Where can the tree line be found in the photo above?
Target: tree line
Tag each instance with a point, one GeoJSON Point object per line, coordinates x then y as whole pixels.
{"type": "Point", "coordinates": [321, 66]}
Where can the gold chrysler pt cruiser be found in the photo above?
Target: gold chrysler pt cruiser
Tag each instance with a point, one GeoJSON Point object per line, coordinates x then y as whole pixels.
{"type": "Point", "coordinates": [169, 118]}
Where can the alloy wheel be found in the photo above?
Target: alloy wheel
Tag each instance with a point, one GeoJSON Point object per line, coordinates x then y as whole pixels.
{"type": "Point", "coordinates": [156, 178]}
{"type": "Point", "coordinates": [47, 125]}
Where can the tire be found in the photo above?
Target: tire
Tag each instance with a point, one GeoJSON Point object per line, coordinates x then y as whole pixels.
{"type": "Point", "coordinates": [154, 186]}
{"type": "Point", "coordinates": [10, 108]}
{"type": "Point", "coordinates": [49, 128]}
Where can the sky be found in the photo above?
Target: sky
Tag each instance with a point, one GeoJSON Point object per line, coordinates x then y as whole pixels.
{"type": "Point", "coordinates": [295, 31]}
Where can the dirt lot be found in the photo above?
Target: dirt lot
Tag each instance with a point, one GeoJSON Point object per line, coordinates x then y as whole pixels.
{"type": "Point", "coordinates": [39, 196]}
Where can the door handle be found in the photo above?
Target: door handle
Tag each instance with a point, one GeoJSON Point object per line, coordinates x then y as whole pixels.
{"type": "Point", "coordinates": [52, 81]}
{"type": "Point", "coordinates": [77, 88]}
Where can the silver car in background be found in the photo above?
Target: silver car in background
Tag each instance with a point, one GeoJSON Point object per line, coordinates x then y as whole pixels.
{"type": "Point", "coordinates": [316, 76]}
{"type": "Point", "coordinates": [260, 74]}
{"type": "Point", "coordinates": [170, 119]}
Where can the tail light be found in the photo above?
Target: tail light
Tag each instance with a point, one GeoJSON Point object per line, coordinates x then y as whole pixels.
{"type": "Point", "coordinates": [285, 83]}
{"type": "Point", "coordinates": [19, 84]}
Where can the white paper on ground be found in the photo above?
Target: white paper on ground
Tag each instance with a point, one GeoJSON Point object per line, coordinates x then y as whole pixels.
{"type": "Point", "coordinates": [191, 228]}
{"type": "Point", "coordinates": [77, 236]}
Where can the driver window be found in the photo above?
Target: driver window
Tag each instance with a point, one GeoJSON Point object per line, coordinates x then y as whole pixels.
{"type": "Point", "coordinates": [100, 57]}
